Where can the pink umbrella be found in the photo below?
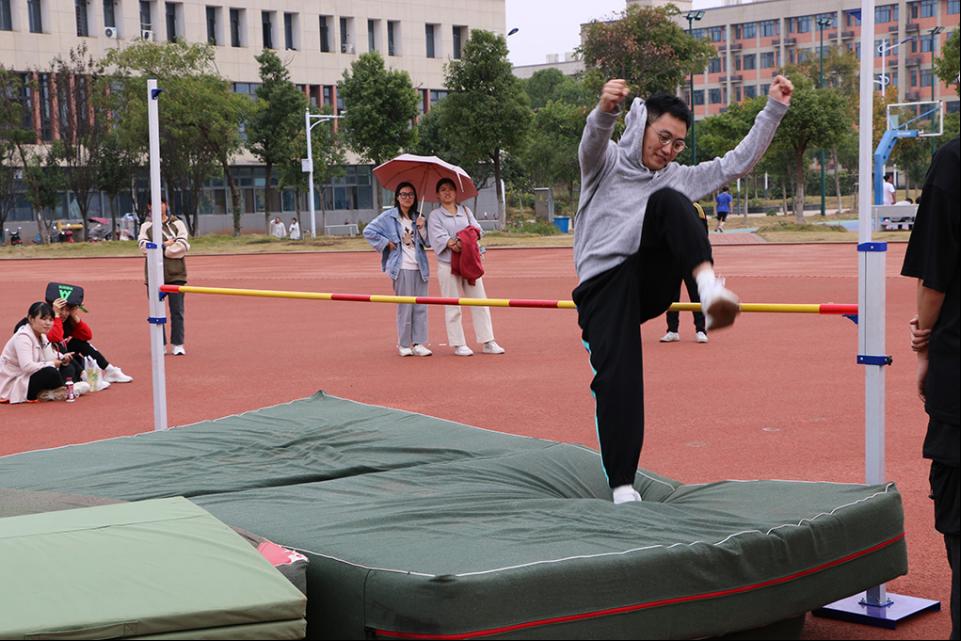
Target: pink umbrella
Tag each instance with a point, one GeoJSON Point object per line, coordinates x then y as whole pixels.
{"type": "Point", "coordinates": [423, 172]}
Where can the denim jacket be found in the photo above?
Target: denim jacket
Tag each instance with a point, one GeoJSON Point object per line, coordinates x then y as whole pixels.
{"type": "Point", "coordinates": [387, 228]}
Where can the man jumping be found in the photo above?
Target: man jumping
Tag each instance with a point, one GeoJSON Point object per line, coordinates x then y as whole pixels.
{"type": "Point", "coordinates": [636, 235]}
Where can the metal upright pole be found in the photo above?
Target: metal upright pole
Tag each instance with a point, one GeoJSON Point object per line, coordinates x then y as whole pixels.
{"type": "Point", "coordinates": [155, 268]}
{"type": "Point", "coordinates": [310, 174]}
{"type": "Point", "coordinates": [822, 23]}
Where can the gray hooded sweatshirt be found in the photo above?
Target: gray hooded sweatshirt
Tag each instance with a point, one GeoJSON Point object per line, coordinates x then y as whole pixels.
{"type": "Point", "coordinates": [615, 184]}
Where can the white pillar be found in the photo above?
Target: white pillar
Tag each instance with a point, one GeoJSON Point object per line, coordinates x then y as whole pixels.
{"type": "Point", "coordinates": [155, 269]}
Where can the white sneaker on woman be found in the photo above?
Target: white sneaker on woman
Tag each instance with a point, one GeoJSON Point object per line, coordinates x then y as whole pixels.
{"type": "Point", "coordinates": [114, 374]}
{"type": "Point", "coordinates": [491, 347]}
{"type": "Point", "coordinates": [420, 350]}
{"type": "Point", "coordinates": [81, 388]}
{"type": "Point", "coordinates": [463, 350]}
{"type": "Point", "coordinates": [405, 351]}
{"type": "Point", "coordinates": [670, 337]}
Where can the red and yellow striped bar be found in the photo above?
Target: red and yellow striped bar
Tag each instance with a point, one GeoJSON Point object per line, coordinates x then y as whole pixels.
{"type": "Point", "coordinates": [829, 308]}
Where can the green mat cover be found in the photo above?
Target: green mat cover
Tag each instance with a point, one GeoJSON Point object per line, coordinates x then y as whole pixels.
{"type": "Point", "coordinates": [421, 527]}
{"type": "Point", "coordinates": [135, 570]}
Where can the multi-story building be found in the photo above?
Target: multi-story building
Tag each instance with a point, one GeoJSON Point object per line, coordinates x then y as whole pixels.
{"type": "Point", "coordinates": [318, 41]}
{"type": "Point", "coordinates": [756, 39]}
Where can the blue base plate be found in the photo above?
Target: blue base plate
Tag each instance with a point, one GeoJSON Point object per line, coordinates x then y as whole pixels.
{"type": "Point", "coordinates": [899, 608]}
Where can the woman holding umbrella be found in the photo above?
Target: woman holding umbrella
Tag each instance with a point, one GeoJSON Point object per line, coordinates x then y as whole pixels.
{"type": "Point", "coordinates": [446, 222]}
{"type": "Point", "coordinates": [400, 236]}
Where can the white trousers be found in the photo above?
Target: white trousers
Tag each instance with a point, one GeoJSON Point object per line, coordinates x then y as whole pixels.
{"type": "Point", "coordinates": [452, 286]}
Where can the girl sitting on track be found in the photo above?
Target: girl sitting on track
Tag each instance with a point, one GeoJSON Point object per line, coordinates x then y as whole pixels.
{"type": "Point", "coordinates": [445, 223]}
{"type": "Point", "coordinates": [401, 240]}
{"type": "Point", "coordinates": [29, 366]}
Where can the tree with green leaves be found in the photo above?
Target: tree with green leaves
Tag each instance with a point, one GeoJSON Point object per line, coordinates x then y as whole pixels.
{"type": "Point", "coordinates": [553, 140]}
{"type": "Point", "coordinates": [198, 113]}
{"type": "Point", "coordinates": [276, 124]}
{"type": "Point", "coordinates": [487, 106]}
{"type": "Point", "coordinates": [13, 135]}
{"type": "Point", "coordinates": [43, 178]}
{"type": "Point", "coordinates": [550, 84]}
{"type": "Point", "coordinates": [381, 106]}
{"type": "Point", "coordinates": [816, 118]}
{"type": "Point", "coordinates": [948, 64]}
{"type": "Point", "coordinates": [645, 47]}
{"type": "Point", "coordinates": [77, 82]}
{"type": "Point", "coordinates": [115, 168]}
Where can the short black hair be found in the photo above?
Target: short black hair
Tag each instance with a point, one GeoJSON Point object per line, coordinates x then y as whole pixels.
{"type": "Point", "coordinates": [662, 103]}
{"type": "Point", "coordinates": [445, 181]}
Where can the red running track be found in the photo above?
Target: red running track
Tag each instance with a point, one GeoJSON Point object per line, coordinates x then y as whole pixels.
{"type": "Point", "coordinates": [777, 396]}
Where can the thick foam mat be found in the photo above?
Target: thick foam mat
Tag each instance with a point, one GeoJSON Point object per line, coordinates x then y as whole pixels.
{"type": "Point", "coordinates": [422, 528]}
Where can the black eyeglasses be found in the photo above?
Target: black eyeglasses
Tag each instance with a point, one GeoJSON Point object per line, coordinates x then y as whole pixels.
{"type": "Point", "coordinates": [665, 137]}
{"type": "Point", "coordinates": [405, 194]}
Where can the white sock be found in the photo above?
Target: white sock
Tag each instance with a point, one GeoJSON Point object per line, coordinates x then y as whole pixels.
{"type": "Point", "coordinates": [705, 280]}
{"type": "Point", "coordinates": [625, 494]}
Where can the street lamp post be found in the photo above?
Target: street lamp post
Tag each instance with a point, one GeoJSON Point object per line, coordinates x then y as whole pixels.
{"type": "Point", "coordinates": [311, 121]}
{"type": "Point", "coordinates": [883, 49]}
{"type": "Point", "coordinates": [933, 32]}
{"type": "Point", "coordinates": [692, 17]}
{"type": "Point", "coordinates": [822, 23]}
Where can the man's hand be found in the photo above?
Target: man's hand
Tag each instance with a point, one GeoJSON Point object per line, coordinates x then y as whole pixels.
{"type": "Point", "coordinates": [781, 90]}
{"type": "Point", "coordinates": [613, 93]}
{"type": "Point", "coordinates": [919, 337]}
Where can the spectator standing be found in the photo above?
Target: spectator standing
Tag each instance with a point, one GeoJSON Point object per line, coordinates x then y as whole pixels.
{"type": "Point", "coordinates": [294, 229]}
{"type": "Point", "coordinates": [400, 235]}
{"type": "Point", "coordinates": [444, 224]}
{"type": "Point", "coordinates": [674, 318]}
{"type": "Point", "coordinates": [176, 244]}
{"type": "Point", "coordinates": [932, 257]}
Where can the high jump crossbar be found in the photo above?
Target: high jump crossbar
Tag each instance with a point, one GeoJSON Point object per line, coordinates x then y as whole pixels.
{"type": "Point", "coordinates": [784, 308]}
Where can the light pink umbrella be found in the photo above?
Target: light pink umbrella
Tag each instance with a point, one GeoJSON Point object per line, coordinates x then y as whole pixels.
{"type": "Point", "coordinates": [423, 172]}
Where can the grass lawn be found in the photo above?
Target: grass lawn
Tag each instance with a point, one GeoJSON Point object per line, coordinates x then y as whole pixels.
{"type": "Point", "coordinates": [777, 229]}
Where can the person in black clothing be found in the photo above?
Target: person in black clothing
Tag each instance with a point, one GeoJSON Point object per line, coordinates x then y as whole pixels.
{"type": "Point", "coordinates": [933, 258]}
{"type": "Point", "coordinates": [674, 318]}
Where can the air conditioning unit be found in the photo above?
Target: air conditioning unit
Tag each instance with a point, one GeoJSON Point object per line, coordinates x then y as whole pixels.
{"type": "Point", "coordinates": [111, 32]}
{"type": "Point", "coordinates": [146, 34]}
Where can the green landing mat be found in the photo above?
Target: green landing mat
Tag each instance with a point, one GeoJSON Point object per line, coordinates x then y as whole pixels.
{"type": "Point", "coordinates": [156, 567]}
{"type": "Point", "coordinates": [422, 528]}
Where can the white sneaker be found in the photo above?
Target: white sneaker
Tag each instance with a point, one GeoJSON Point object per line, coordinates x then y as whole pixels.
{"type": "Point", "coordinates": [59, 394]}
{"type": "Point", "coordinates": [491, 347]}
{"type": "Point", "coordinates": [720, 305]}
{"type": "Point", "coordinates": [463, 350]}
{"type": "Point", "coordinates": [178, 350]}
{"type": "Point", "coordinates": [701, 337]}
{"type": "Point", "coordinates": [420, 350]}
{"type": "Point", "coordinates": [81, 388]}
{"type": "Point", "coordinates": [114, 374]}
{"type": "Point", "coordinates": [670, 337]}
{"type": "Point", "coordinates": [405, 351]}
{"type": "Point", "coordinates": [625, 494]}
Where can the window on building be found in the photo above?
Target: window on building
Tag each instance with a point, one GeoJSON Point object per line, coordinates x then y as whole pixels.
{"type": "Point", "coordinates": [768, 59]}
{"type": "Point", "coordinates": [765, 89]}
{"type": "Point", "coordinates": [887, 13]}
{"type": "Point", "coordinates": [929, 8]}
{"type": "Point", "coordinates": [212, 25]}
{"type": "Point", "coordinates": [927, 44]}
{"type": "Point", "coordinates": [698, 34]}
{"type": "Point", "coordinates": [351, 190]}
{"type": "Point", "coordinates": [6, 19]}
{"type": "Point", "coordinates": [328, 95]}
{"type": "Point", "coordinates": [436, 95]}
{"type": "Point", "coordinates": [749, 61]}
{"type": "Point", "coordinates": [393, 37]}
{"type": "Point", "coordinates": [852, 18]}
{"type": "Point", "coordinates": [236, 27]}
{"type": "Point", "coordinates": [109, 13]}
{"type": "Point", "coordinates": [750, 91]}
{"type": "Point", "coordinates": [35, 16]}
{"type": "Point", "coordinates": [372, 35]}
{"type": "Point", "coordinates": [698, 97]}
{"type": "Point", "coordinates": [146, 15]}
{"type": "Point", "coordinates": [926, 77]}
{"type": "Point", "coordinates": [325, 33]}
{"type": "Point", "coordinates": [347, 35]}
{"type": "Point", "coordinates": [429, 32]}
{"type": "Point", "coordinates": [171, 9]}
{"type": "Point", "coordinates": [803, 55]}
{"type": "Point", "coordinates": [459, 37]}
{"type": "Point", "coordinates": [954, 8]}
{"type": "Point", "coordinates": [749, 30]}
{"type": "Point", "coordinates": [714, 96]}
{"type": "Point", "coordinates": [804, 24]}
{"type": "Point", "coordinates": [953, 106]}
{"type": "Point", "coordinates": [769, 28]}
{"type": "Point", "coordinates": [83, 24]}
{"type": "Point", "coordinates": [714, 65]}
{"type": "Point", "coordinates": [267, 28]}
{"type": "Point", "coordinates": [737, 93]}
{"type": "Point", "coordinates": [290, 31]}
{"type": "Point", "coordinates": [716, 33]}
